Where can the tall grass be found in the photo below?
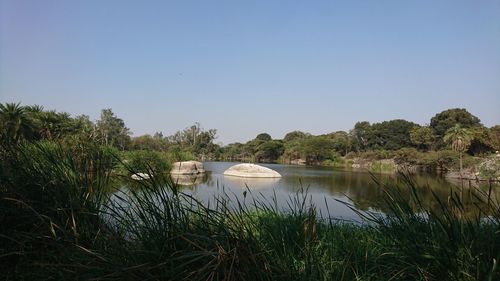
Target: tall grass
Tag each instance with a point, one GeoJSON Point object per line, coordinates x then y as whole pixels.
{"type": "Point", "coordinates": [51, 197]}
{"type": "Point", "coordinates": [61, 221]}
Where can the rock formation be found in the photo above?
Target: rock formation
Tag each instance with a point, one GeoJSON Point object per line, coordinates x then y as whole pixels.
{"type": "Point", "coordinates": [251, 171]}
{"type": "Point", "coordinates": [187, 168]}
{"type": "Point", "coordinates": [140, 176]}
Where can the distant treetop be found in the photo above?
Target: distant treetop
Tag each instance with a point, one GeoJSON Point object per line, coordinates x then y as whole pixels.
{"type": "Point", "coordinates": [447, 119]}
{"type": "Point", "coordinates": [263, 137]}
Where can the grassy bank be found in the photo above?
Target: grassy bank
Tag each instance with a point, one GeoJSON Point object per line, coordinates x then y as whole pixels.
{"type": "Point", "coordinates": [63, 219]}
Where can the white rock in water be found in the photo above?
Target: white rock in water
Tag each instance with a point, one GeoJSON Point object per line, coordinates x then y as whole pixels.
{"type": "Point", "coordinates": [251, 171]}
{"type": "Point", "coordinates": [141, 176]}
{"type": "Point", "coordinates": [187, 168]}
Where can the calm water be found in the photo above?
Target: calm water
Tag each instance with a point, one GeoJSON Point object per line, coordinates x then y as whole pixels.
{"type": "Point", "coordinates": [325, 186]}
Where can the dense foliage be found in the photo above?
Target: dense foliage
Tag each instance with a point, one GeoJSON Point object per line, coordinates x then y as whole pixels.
{"type": "Point", "coordinates": [62, 219]}
{"type": "Point", "coordinates": [395, 139]}
{"type": "Point", "coordinates": [33, 123]}
{"type": "Point", "coordinates": [64, 215]}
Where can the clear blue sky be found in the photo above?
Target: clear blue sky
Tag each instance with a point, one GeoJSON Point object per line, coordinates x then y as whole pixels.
{"type": "Point", "coordinates": [246, 67]}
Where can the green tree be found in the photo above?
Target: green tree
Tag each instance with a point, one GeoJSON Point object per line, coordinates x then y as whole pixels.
{"type": "Point", "coordinates": [361, 135]}
{"type": "Point", "coordinates": [446, 119]}
{"type": "Point", "coordinates": [483, 141]}
{"type": "Point", "coordinates": [292, 150]}
{"type": "Point", "coordinates": [112, 130]}
{"type": "Point", "coordinates": [204, 145]}
{"type": "Point", "coordinates": [195, 140]}
{"type": "Point", "coordinates": [56, 125]}
{"type": "Point", "coordinates": [495, 134]}
{"type": "Point", "coordinates": [391, 135]}
{"type": "Point", "coordinates": [15, 123]}
{"type": "Point", "coordinates": [83, 126]}
{"type": "Point", "coordinates": [148, 142]}
{"type": "Point", "coordinates": [233, 151]}
{"type": "Point", "coordinates": [264, 137]}
{"type": "Point", "coordinates": [269, 151]}
{"type": "Point", "coordinates": [422, 137]}
{"type": "Point", "coordinates": [460, 139]}
{"type": "Point", "coordinates": [295, 135]}
{"type": "Point", "coordinates": [342, 142]}
{"type": "Point", "coordinates": [316, 149]}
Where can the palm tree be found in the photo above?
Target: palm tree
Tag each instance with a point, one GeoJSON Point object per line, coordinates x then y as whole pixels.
{"type": "Point", "coordinates": [34, 108]}
{"type": "Point", "coordinates": [460, 140]}
{"type": "Point", "coordinates": [15, 123]}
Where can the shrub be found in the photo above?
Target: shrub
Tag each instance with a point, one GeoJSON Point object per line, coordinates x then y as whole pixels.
{"type": "Point", "coordinates": [145, 161]}
{"type": "Point", "coordinates": [490, 168]}
{"type": "Point", "coordinates": [407, 156]}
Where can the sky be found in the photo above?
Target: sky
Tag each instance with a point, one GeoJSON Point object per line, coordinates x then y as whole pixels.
{"type": "Point", "coordinates": [247, 67]}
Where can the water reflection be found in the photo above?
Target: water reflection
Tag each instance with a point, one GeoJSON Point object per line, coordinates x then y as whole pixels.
{"type": "Point", "coordinates": [254, 183]}
{"type": "Point", "coordinates": [326, 186]}
{"type": "Point", "coordinates": [189, 180]}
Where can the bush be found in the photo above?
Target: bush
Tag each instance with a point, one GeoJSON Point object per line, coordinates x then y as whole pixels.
{"type": "Point", "coordinates": [335, 160]}
{"type": "Point", "coordinates": [176, 153]}
{"type": "Point", "coordinates": [145, 161]}
{"type": "Point", "coordinates": [382, 166]}
{"type": "Point", "coordinates": [490, 168]}
{"type": "Point", "coordinates": [407, 156]}
{"type": "Point", "coordinates": [447, 159]}
{"type": "Point", "coordinates": [377, 155]}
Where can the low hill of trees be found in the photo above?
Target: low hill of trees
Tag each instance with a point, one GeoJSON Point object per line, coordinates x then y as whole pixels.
{"type": "Point", "coordinates": [33, 123]}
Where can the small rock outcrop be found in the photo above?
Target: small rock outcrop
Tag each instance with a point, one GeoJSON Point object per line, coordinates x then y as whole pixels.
{"type": "Point", "coordinates": [251, 171]}
{"type": "Point", "coordinates": [300, 162]}
{"type": "Point", "coordinates": [187, 168]}
{"type": "Point", "coordinates": [140, 176]}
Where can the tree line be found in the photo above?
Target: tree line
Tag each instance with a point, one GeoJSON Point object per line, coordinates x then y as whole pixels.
{"type": "Point", "coordinates": [389, 136]}
{"type": "Point", "coordinates": [33, 123]}
{"type": "Point", "coordinates": [453, 128]}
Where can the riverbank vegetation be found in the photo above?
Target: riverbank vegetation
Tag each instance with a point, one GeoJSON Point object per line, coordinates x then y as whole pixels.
{"type": "Point", "coordinates": [64, 216]}
{"type": "Point", "coordinates": [455, 140]}
{"type": "Point", "coordinates": [408, 144]}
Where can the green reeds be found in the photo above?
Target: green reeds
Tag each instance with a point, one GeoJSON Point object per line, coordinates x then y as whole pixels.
{"type": "Point", "coordinates": [449, 242]}
{"type": "Point", "coordinates": [62, 219]}
{"type": "Point", "coordinates": [51, 197]}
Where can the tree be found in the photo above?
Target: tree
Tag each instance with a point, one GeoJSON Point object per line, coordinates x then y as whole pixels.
{"type": "Point", "coordinates": [15, 123]}
{"type": "Point", "coordinates": [204, 144]}
{"type": "Point", "coordinates": [295, 135]}
{"type": "Point", "coordinates": [422, 137]}
{"type": "Point", "coordinates": [147, 142]}
{"type": "Point", "coordinates": [269, 151]}
{"type": "Point", "coordinates": [83, 126]}
{"type": "Point", "coordinates": [264, 137]}
{"type": "Point", "coordinates": [55, 125]}
{"type": "Point", "coordinates": [190, 135]}
{"type": "Point", "coordinates": [483, 141]}
{"type": "Point", "coordinates": [495, 133]}
{"type": "Point", "coordinates": [112, 130]}
{"type": "Point", "coordinates": [460, 139]}
{"type": "Point", "coordinates": [342, 142]}
{"type": "Point", "coordinates": [195, 140]}
{"type": "Point", "coordinates": [445, 120]}
{"type": "Point", "coordinates": [360, 135]}
{"type": "Point", "coordinates": [233, 151]}
{"type": "Point", "coordinates": [316, 149]}
{"type": "Point", "coordinates": [391, 135]}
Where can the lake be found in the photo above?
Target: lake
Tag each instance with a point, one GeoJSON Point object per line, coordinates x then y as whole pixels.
{"type": "Point", "coordinates": [325, 186]}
